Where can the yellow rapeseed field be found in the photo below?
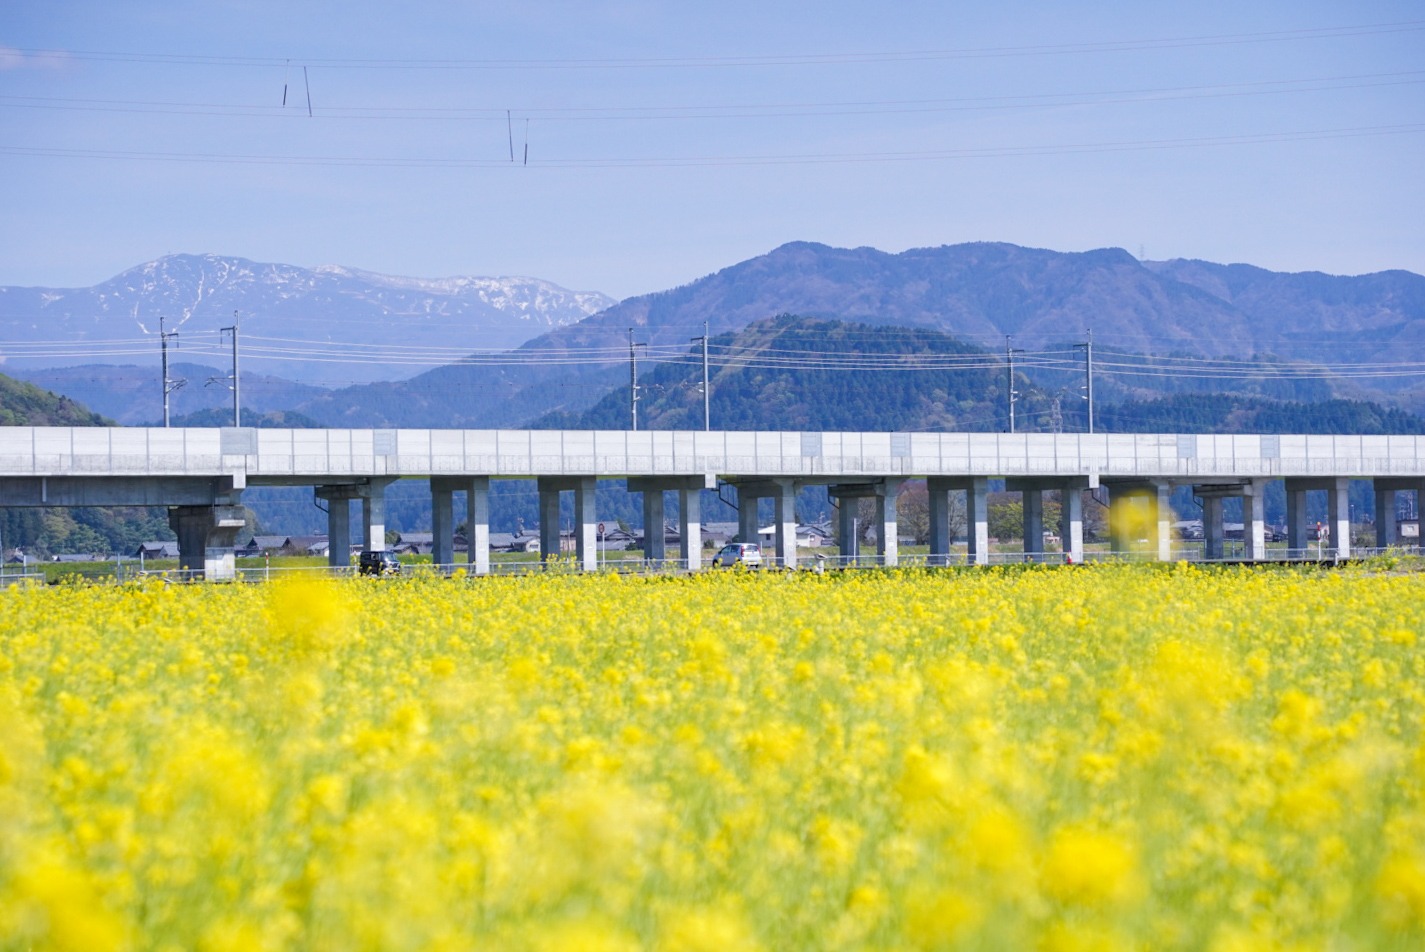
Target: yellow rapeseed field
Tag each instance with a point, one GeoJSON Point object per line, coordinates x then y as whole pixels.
{"type": "Point", "coordinates": [1089, 758]}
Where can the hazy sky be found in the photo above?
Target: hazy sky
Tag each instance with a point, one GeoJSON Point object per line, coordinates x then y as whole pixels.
{"type": "Point", "coordinates": [668, 140]}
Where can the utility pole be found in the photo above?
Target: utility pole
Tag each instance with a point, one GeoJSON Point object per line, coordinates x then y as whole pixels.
{"type": "Point", "coordinates": [633, 377]}
{"type": "Point", "coordinates": [1009, 353]}
{"type": "Point", "coordinates": [1087, 348]}
{"type": "Point", "coordinates": [707, 398]}
{"type": "Point", "coordinates": [168, 385]}
{"type": "Point", "coordinates": [237, 414]}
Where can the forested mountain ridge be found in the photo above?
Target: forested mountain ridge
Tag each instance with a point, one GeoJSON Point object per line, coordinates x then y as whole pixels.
{"type": "Point", "coordinates": [24, 404]}
{"type": "Point", "coordinates": [782, 374]}
{"type": "Point", "coordinates": [132, 394]}
{"type": "Point", "coordinates": [41, 531]}
{"type": "Point", "coordinates": [1234, 413]}
{"type": "Point", "coordinates": [801, 373]}
{"type": "Point", "coordinates": [977, 293]}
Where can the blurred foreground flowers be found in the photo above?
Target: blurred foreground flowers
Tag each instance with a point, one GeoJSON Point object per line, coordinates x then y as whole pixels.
{"type": "Point", "coordinates": [1106, 757]}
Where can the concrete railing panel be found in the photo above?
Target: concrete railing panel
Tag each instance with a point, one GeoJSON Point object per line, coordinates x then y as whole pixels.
{"type": "Point", "coordinates": [300, 454]}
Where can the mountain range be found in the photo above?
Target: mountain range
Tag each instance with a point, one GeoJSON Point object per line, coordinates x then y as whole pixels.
{"type": "Point", "coordinates": [977, 293]}
{"type": "Point", "coordinates": [574, 347]}
{"type": "Point", "coordinates": [981, 292]}
{"type": "Point", "coordinates": [409, 323]}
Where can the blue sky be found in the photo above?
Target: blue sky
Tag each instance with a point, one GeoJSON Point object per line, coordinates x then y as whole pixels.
{"type": "Point", "coordinates": [669, 140]}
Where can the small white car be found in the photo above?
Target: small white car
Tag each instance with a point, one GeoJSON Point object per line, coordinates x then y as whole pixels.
{"type": "Point", "coordinates": [739, 553]}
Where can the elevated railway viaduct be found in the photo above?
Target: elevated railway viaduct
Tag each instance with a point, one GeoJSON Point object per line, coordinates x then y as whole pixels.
{"type": "Point", "coordinates": [201, 474]}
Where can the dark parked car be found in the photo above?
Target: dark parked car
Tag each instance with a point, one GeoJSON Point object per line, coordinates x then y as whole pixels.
{"type": "Point", "coordinates": [379, 563]}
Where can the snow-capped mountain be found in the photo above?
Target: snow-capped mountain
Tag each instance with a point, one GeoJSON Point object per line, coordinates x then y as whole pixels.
{"type": "Point", "coordinates": [327, 325]}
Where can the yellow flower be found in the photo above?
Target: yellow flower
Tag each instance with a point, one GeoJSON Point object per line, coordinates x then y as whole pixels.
{"type": "Point", "coordinates": [1091, 868]}
{"type": "Point", "coordinates": [1400, 887]}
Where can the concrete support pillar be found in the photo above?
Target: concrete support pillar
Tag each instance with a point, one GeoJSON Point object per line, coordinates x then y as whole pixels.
{"type": "Point", "coordinates": [887, 528]}
{"type": "Point", "coordinates": [1071, 523]}
{"type": "Point", "coordinates": [1212, 528]}
{"type": "Point", "coordinates": [1033, 507]}
{"type": "Point", "coordinates": [339, 531]}
{"type": "Point", "coordinates": [1338, 503]}
{"type": "Point", "coordinates": [1296, 530]}
{"type": "Point", "coordinates": [1385, 518]}
{"type": "Point", "coordinates": [1386, 490]}
{"type": "Point", "coordinates": [977, 520]}
{"type": "Point", "coordinates": [442, 523]}
{"type": "Point", "coordinates": [477, 520]}
{"type": "Point", "coordinates": [1071, 514]}
{"type": "Point", "coordinates": [885, 492]}
{"type": "Point", "coordinates": [654, 546]}
{"type": "Point", "coordinates": [1163, 519]}
{"type": "Point", "coordinates": [1140, 510]}
{"type": "Point", "coordinates": [747, 522]}
{"type": "Point", "coordinates": [549, 547]}
{"type": "Point", "coordinates": [1254, 520]}
{"type": "Point", "coordinates": [372, 494]}
{"type": "Point", "coordinates": [586, 525]}
{"type": "Point", "coordinates": [373, 517]}
{"type": "Point", "coordinates": [1122, 515]}
{"type": "Point", "coordinates": [940, 540]}
{"type": "Point", "coordinates": [477, 524]}
{"type": "Point", "coordinates": [690, 528]}
{"type": "Point", "coordinates": [205, 539]}
{"type": "Point", "coordinates": [786, 523]}
{"type": "Point", "coordinates": [848, 544]}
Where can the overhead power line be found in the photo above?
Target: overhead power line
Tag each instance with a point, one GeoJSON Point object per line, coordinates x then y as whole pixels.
{"type": "Point", "coordinates": [724, 111]}
{"type": "Point", "coordinates": [808, 158]}
{"type": "Point", "coordinates": [862, 360]}
{"type": "Point", "coordinates": [726, 62]}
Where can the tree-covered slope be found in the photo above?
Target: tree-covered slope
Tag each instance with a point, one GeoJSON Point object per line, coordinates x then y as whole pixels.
{"type": "Point", "coordinates": [1233, 413]}
{"type": "Point", "coordinates": [87, 530]}
{"type": "Point", "coordinates": [24, 404]}
{"type": "Point", "coordinates": [796, 373]}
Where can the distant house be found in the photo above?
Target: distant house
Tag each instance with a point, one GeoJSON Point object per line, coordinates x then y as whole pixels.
{"type": "Point", "coordinates": [718, 534]}
{"type": "Point", "coordinates": [260, 545]}
{"type": "Point", "coordinates": [813, 536]}
{"type": "Point", "coordinates": [305, 545]}
{"type": "Point", "coordinates": [78, 557]}
{"type": "Point", "coordinates": [1188, 529]}
{"type": "Point", "coordinates": [618, 540]}
{"type": "Point", "coordinates": [156, 550]}
{"type": "Point", "coordinates": [514, 542]}
{"type": "Point", "coordinates": [415, 543]}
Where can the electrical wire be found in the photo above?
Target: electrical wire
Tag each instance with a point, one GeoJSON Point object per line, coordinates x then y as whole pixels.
{"type": "Point", "coordinates": [724, 161]}
{"type": "Point", "coordinates": [784, 59]}
{"type": "Point", "coordinates": [1108, 363]}
{"type": "Point", "coordinates": [731, 111]}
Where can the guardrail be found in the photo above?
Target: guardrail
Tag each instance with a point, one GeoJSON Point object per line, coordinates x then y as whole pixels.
{"type": "Point", "coordinates": [816, 562]}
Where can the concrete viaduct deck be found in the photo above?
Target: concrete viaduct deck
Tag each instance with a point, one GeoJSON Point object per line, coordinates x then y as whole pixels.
{"type": "Point", "coordinates": [201, 473]}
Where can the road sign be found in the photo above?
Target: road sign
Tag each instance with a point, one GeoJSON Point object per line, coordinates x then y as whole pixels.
{"type": "Point", "coordinates": [601, 529]}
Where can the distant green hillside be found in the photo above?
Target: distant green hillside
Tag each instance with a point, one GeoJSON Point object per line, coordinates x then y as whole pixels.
{"type": "Point", "coordinates": [780, 374]}
{"type": "Point", "coordinates": [24, 404]}
{"type": "Point", "coordinates": [92, 530]}
{"type": "Point", "coordinates": [279, 419]}
{"type": "Point", "coordinates": [1232, 413]}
